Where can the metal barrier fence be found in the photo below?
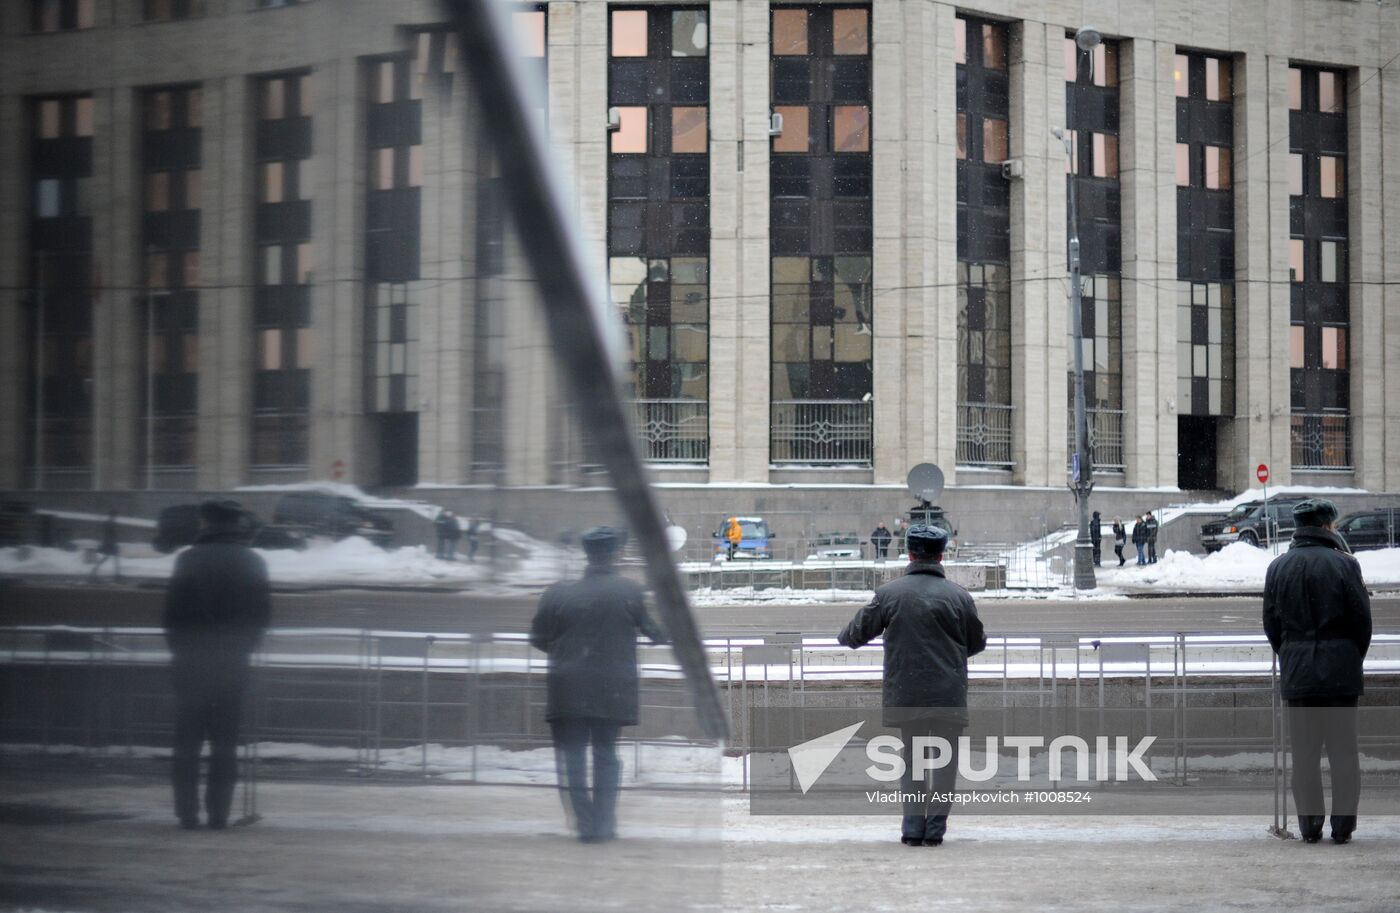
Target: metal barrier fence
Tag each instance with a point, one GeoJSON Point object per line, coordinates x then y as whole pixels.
{"type": "Point", "coordinates": [378, 702]}
{"type": "Point", "coordinates": [1105, 439]}
{"type": "Point", "coordinates": [984, 435]}
{"type": "Point", "coordinates": [672, 430]}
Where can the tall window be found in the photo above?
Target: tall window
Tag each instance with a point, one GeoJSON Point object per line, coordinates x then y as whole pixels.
{"type": "Point", "coordinates": [62, 15]}
{"type": "Point", "coordinates": [61, 280]}
{"type": "Point", "coordinates": [1320, 308]}
{"type": "Point", "coordinates": [820, 227]}
{"type": "Point", "coordinates": [1091, 105]}
{"type": "Point", "coordinates": [284, 270]}
{"type": "Point", "coordinates": [171, 166]}
{"type": "Point", "coordinates": [659, 218]}
{"type": "Point", "coordinates": [1205, 240]}
{"type": "Point", "coordinates": [984, 224]}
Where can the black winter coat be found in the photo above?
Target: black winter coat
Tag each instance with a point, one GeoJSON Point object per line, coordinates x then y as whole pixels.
{"type": "Point", "coordinates": [1140, 533]}
{"type": "Point", "coordinates": [880, 536]}
{"type": "Point", "coordinates": [1152, 527]}
{"type": "Point", "coordinates": [1317, 615]}
{"type": "Point", "coordinates": [589, 630]}
{"type": "Point", "coordinates": [1096, 530]}
{"type": "Point", "coordinates": [217, 606]}
{"type": "Point", "coordinates": [931, 628]}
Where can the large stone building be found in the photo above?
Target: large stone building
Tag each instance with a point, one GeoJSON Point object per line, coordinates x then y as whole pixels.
{"type": "Point", "coordinates": [258, 240]}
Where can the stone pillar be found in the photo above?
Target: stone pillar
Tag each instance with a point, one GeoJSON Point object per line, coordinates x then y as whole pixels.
{"type": "Point", "coordinates": [16, 332]}
{"type": "Point", "coordinates": [727, 173]}
{"type": "Point", "coordinates": [226, 309]}
{"type": "Point", "coordinates": [1039, 307]}
{"type": "Point", "coordinates": [1146, 157]}
{"type": "Point", "coordinates": [119, 308]}
{"type": "Point", "coordinates": [1387, 374]}
{"type": "Point", "coordinates": [1262, 403]}
{"type": "Point", "coordinates": [1367, 270]}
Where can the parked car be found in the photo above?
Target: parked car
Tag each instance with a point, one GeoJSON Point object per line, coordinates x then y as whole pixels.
{"type": "Point", "coordinates": [178, 525]}
{"type": "Point", "coordinates": [830, 546]}
{"type": "Point", "coordinates": [1378, 528]}
{"type": "Point", "coordinates": [1256, 523]}
{"type": "Point", "coordinates": [756, 542]}
{"type": "Point", "coordinates": [323, 513]}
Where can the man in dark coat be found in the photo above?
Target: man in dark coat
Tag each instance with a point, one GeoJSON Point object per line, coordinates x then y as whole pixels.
{"type": "Point", "coordinates": [880, 539]}
{"type": "Point", "coordinates": [1140, 538]}
{"type": "Point", "coordinates": [1096, 537]}
{"type": "Point", "coordinates": [109, 547]}
{"type": "Point", "coordinates": [589, 628]}
{"type": "Point", "coordinates": [1152, 526]}
{"type": "Point", "coordinates": [1317, 615]}
{"type": "Point", "coordinates": [931, 627]}
{"type": "Point", "coordinates": [217, 607]}
{"type": "Point", "coordinates": [448, 531]}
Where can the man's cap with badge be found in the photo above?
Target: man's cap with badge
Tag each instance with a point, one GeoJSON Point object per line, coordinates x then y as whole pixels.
{"type": "Point", "coordinates": [1314, 512]}
{"type": "Point", "coordinates": [926, 536]}
{"type": "Point", "coordinates": [604, 540]}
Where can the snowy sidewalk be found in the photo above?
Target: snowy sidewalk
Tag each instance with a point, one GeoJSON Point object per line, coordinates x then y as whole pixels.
{"type": "Point", "coordinates": [104, 842]}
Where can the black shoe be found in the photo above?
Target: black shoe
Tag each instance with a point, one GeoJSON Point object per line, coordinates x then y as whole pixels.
{"type": "Point", "coordinates": [933, 841]}
{"type": "Point", "coordinates": [1340, 839]}
{"type": "Point", "coordinates": [1310, 827]}
{"type": "Point", "coordinates": [912, 841]}
{"type": "Point", "coordinates": [1312, 838]}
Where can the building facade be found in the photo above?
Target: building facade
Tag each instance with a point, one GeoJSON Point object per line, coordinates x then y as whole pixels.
{"type": "Point", "coordinates": [264, 241]}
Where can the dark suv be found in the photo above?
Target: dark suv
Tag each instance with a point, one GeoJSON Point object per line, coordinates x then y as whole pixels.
{"type": "Point", "coordinates": [1254, 523]}
{"type": "Point", "coordinates": [178, 526]}
{"type": "Point", "coordinates": [1378, 528]}
{"type": "Point", "coordinates": [323, 513]}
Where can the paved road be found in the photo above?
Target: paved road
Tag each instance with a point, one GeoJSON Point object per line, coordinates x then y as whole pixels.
{"type": "Point", "coordinates": [26, 603]}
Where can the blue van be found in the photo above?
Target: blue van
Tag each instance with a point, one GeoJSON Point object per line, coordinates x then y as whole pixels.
{"type": "Point", "coordinates": [756, 542]}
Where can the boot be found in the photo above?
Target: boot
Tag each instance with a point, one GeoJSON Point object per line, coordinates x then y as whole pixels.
{"type": "Point", "coordinates": [1310, 827]}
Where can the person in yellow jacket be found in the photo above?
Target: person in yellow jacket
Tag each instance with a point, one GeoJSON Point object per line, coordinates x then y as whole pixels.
{"type": "Point", "coordinates": [735, 535]}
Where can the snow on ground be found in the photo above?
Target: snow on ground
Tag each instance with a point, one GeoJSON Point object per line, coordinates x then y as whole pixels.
{"type": "Point", "coordinates": [1238, 566]}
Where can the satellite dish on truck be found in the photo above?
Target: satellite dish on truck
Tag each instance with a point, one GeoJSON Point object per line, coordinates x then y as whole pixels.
{"type": "Point", "coordinates": [926, 484]}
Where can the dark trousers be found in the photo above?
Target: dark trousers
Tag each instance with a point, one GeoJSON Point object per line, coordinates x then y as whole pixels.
{"type": "Point", "coordinates": [1313, 727]}
{"type": "Point", "coordinates": [1151, 551]}
{"type": "Point", "coordinates": [1118, 550]}
{"type": "Point", "coordinates": [882, 549]}
{"type": "Point", "coordinates": [928, 819]}
{"type": "Point", "coordinates": [1098, 551]}
{"type": "Point", "coordinates": [595, 811]}
{"type": "Point", "coordinates": [205, 709]}
{"type": "Point", "coordinates": [447, 548]}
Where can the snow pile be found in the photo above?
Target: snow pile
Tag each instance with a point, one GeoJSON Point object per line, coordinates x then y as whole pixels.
{"type": "Point", "coordinates": [1238, 566]}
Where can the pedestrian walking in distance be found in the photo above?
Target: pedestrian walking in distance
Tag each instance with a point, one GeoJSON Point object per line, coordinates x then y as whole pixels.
{"type": "Point", "coordinates": [588, 628]}
{"type": "Point", "coordinates": [1096, 537]}
{"type": "Point", "coordinates": [1317, 615]}
{"type": "Point", "coordinates": [880, 541]}
{"type": "Point", "coordinates": [448, 531]}
{"type": "Point", "coordinates": [473, 538]}
{"type": "Point", "coordinates": [216, 610]}
{"type": "Point", "coordinates": [1120, 539]}
{"type": "Point", "coordinates": [1152, 526]}
{"type": "Point", "coordinates": [930, 626]}
{"type": "Point", "coordinates": [1140, 539]}
{"type": "Point", "coordinates": [735, 535]}
{"type": "Point", "coordinates": [109, 547]}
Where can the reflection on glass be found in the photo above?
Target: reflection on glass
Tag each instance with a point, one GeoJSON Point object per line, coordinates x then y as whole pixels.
{"type": "Point", "coordinates": [690, 33]}
{"type": "Point", "coordinates": [795, 136]}
{"type": "Point", "coordinates": [1296, 272]}
{"type": "Point", "coordinates": [1218, 83]}
{"type": "Point", "coordinates": [993, 46]}
{"type": "Point", "coordinates": [629, 33]}
{"type": "Point", "coordinates": [1183, 165]}
{"type": "Point", "coordinates": [850, 31]}
{"type": "Point", "coordinates": [1106, 64]}
{"type": "Point", "coordinates": [82, 113]}
{"type": "Point", "coordinates": [1334, 348]}
{"type": "Point", "coordinates": [851, 128]}
{"type": "Point", "coordinates": [789, 32]}
{"type": "Point", "coordinates": [1332, 184]}
{"type": "Point", "coordinates": [271, 182]}
{"type": "Point", "coordinates": [995, 144]}
{"type": "Point", "coordinates": [1295, 174]}
{"type": "Point", "coordinates": [1071, 60]}
{"type": "Point", "coordinates": [1181, 76]}
{"type": "Point", "coordinates": [1329, 95]}
{"type": "Point", "coordinates": [962, 135]}
{"type": "Point", "coordinates": [631, 134]}
{"type": "Point", "coordinates": [1329, 261]}
{"type": "Point", "coordinates": [1105, 155]}
{"type": "Point", "coordinates": [1217, 168]}
{"type": "Point", "coordinates": [960, 40]}
{"type": "Point", "coordinates": [158, 192]}
{"type": "Point", "coordinates": [530, 32]}
{"type": "Point", "coordinates": [1295, 89]}
{"type": "Point", "coordinates": [688, 130]}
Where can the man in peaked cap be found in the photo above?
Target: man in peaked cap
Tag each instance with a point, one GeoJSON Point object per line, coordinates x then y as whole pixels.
{"type": "Point", "coordinates": [588, 628]}
{"type": "Point", "coordinates": [931, 627]}
{"type": "Point", "coordinates": [216, 609]}
{"type": "Point", "coordinates": [1317, 615]}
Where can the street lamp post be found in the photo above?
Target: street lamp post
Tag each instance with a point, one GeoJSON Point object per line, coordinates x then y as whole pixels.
{"type": "Point", "coordinates": [1086, 39]}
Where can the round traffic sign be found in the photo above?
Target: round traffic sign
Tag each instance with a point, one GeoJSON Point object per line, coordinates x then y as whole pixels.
{"type": "Point", "coordinates": [1262, 472]}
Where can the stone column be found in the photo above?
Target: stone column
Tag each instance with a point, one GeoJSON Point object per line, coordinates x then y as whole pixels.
{"type": "Point", "coordinates": [1387, 375]}
{"type": "Point", "coordinates": [1039, 308]}
{"type": "Point", "coordinates": [119, 307]}
{"type": "Point", "coordinates": [16, 332]}
{"type": "Point", "coordinates": [1146, 157]}
{"type": "Point", "coordinates": [1367, 271]}
{"type": "Point", "coordinates": [727, 172]}
{"type": "Point", "coordinates": [226, 310]}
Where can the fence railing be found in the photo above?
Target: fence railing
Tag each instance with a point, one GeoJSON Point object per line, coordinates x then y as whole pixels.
{"type": "Point", "coordinates": [984, 435]}
{"type": "Point", "coordinates": [672, 430]}
{"type": "Point", "coordinates": [821, 431]}
{"type": "Point", "coordinates": [1105, 439]}
{"type": "Point", "coordinates": [1321, 440]}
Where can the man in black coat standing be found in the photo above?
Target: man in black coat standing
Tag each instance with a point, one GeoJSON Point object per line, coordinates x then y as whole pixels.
{"type": "Point", "coordinates": [880, 538]}
{"type": "Point", "coordinates": [589, 628]}
{"type": "Point", "coordinates": [1317, 615]}
{"type": "Point", "coordinates": [1152, 527]}
{"type": "Point", "coordinates": [217, 607]}
{"type": "Point", "coordinates": [931, 627]}
{"type": "Point", "coordinates": [1096, 537]}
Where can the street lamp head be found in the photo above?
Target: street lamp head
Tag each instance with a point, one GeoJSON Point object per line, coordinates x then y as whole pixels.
{"type": "Point", "coordinates": [1088, 38]}
{"type": "Point", "coordinates": [1057, 133]}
